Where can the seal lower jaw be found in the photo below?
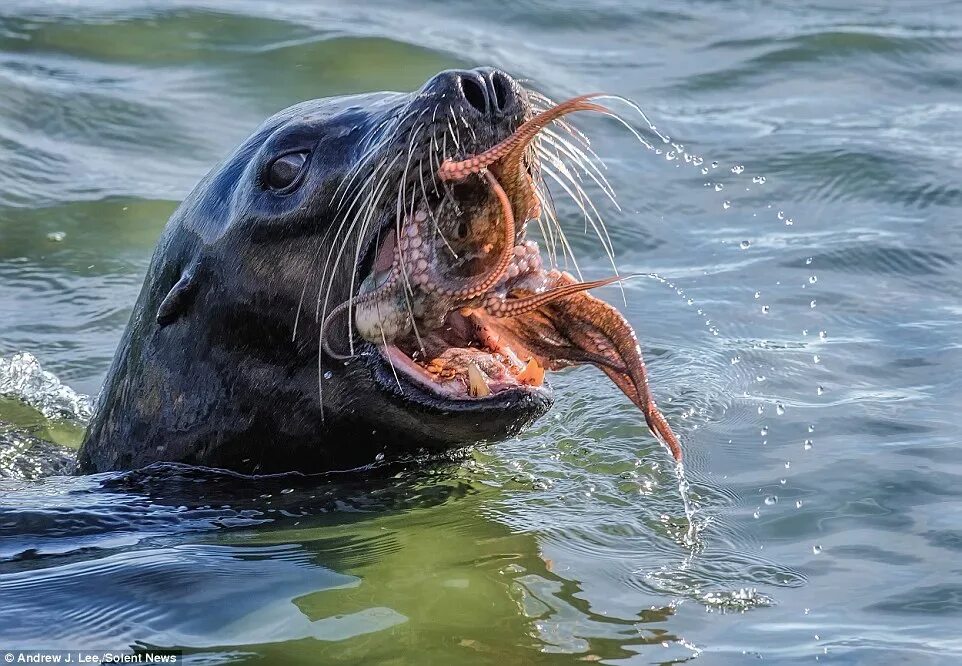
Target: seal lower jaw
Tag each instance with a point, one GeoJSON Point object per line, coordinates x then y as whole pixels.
{"type": "Point", "coordinates": [437, 415]}
{"type": "Point", "coordinates": [466, 360]}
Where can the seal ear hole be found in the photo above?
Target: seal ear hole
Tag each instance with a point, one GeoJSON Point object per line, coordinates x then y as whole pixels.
{"type": "Point", "coordinates": [284, 173]}
{"type": "Point", "coordinates": [178, 300]}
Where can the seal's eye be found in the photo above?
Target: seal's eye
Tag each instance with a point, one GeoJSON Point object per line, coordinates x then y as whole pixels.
{"type": "Point", "coordinates": [285, 170]}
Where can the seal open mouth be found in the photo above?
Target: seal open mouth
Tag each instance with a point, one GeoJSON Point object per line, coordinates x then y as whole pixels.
{"type": "Point", "coordinates": [460, 304]}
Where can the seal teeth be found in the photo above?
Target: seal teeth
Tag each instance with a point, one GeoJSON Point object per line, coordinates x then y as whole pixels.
{"type": "Point", "coordinates": [477, 383]}
{"type": "Point", "coordinates": [533, 373]}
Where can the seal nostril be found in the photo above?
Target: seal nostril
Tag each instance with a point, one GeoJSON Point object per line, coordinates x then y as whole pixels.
{"type": "Point", "coordinates": [474, 93]}
{"type": "Point", "coordinates": [502, 91]}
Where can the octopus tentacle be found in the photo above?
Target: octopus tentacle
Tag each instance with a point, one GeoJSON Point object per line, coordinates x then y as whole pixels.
{"type": "Point", "coordinates": [514, 307]}
{"type": "Point", "coordinates": [457, 170]}
{"type": "Point", "coordinates": [480, 285]}
{"type": "Point", "coordinates": [598, 327]}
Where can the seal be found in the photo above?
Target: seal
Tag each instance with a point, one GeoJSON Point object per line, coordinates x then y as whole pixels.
{"type": "Point", "coordinates": [355, 281]}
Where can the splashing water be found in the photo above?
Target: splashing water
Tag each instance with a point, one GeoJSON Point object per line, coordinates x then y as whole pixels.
{"type": "Point", "coordinates": [683, 489]}
{"type": "Point", "coordinates": [23, 378]}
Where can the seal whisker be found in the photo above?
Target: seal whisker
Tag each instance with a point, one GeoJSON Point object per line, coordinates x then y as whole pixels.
{"type": "Point", "coordinates": [401, 209]}
{"type": "Point", "coordinates": [469, 127]}
{"type": "Point", "coordinates": [569, 253]}
{"type": "Point", "coordinates": [455, 138]}
{"type": "Point", "coordinates": [582, 161]}
{"type": "Point", "coordinates": [597, 222]}
{"type": "Point", "coordinates": [547, 232]}
{"type": "Point", "coordinates": [580, 198]}
{"type": "Point", "coordinates": [408, 291]}
{"type": "Point", "coordinates": [362, 232]}
{"type": "Point", "coordinates": [390, 360]}
{"type": "Point", "coordinates": [372, 200]}
{"type": "Point", "coordinates": [402, 197]}
{"type": "Point", "coordinates": [343, 189]}
{"type": "Point", "coordinates": [430, 211]}
{"type": "Point", "coordinates": [358, 168]}
{"type": "Point", "coordinates": [370, 153]}
{"type": "Point", "coordinates": [363, 191]}
{"type": "Point", "coordinates": [547, 205]}
{"type": "Point", "coordinates": [434, 164]}
{"type": "Point", "coordinates": [307, 280]}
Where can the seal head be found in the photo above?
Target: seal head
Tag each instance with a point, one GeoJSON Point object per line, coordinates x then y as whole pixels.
{"type": "Point", "coordinates": [356, 280]}
{"type": "Point", "coordinates": [221, 363]}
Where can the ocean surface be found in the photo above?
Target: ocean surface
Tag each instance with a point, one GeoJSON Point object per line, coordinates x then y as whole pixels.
{"type": "Point", "coordinates": [801, 237]}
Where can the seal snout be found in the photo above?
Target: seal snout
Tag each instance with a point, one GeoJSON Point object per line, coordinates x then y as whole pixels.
{"type": "Point", "coordinates": [484, 93]}
{"type": "Point", "coordinates": [490, 92]}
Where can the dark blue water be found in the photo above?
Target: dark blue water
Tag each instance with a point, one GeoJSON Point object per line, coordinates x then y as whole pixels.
{"type": "Point", "coordinates": [801, 327]}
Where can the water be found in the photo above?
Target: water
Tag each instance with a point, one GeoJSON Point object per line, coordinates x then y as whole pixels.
{"type": "Point", "coordinates": [802, 336]}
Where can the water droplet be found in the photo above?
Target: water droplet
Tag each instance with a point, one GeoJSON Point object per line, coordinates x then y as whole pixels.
{"type": "Point", "coordinates": [788, 464]}
{"type": "Point", "coordinates": [822, 335]}
{"type": "Point", "coordinates": [820, 390]}
{"type": "Point", "coordinates": [328, 374]}
{"type": "Point", "coordinates": [783, 481]}
{"type": "Point", "coordinates": [697, 161]}
{"type": "Point", "coordinates": [808, 445]}
{"type": "Point", "coordinates": [812, 304]}
{"type": "Point", "coordinates": [714, 165]}
{"type": "Point", "coordinates": [761, 410]}
{"type": "Point", "coordinates": [727, 205]}
{"type": "Point", "coordinates": [758, 180]}
{"type": "Point", "coordinates": [56, 236]}
{"type": "Point", "coordinates": [379, 457]}
{"type": "Point", "coordinates": [816, 358]}
{"type": "Point", "coordinates": [811, 428]}
{"type": "Point", "coordinates": [755, 515]}
{"type": "Point", "coordinates": [764, 430]}
{"type": "Point", "coordinates": [815, 551]}
{"type": "Point", "coordinates": [745, 244]}
{"type": "Point", "coordinates": [670, 155]}
{"type": "Point", "coordinates": [766, 309]}
{"type": "Point", "coordinates": [738, 169]}
{"type": "Point", "coordinates": [758, 294]}
{"type": "Point", "coordinates": [704, 171]}
{"type": "Point", "coordinates": [798, 504]}
{"type": "Point", "coordinates": [779, 408]}
{"type": "Point", "coordinates": [759, 378]}
{"type": "Point", "coordinates": [804, 331]}
{"type": "Point", "coordinates": [690, 301]}
{"type": "Point", "coordinates": [771, 499]}
{"type": "Point", "coordinates": [808, 262]}
{"type": "Point", "coordinates": [736, 359]}
{"type": "Point", "coordinates": [719, 187]}
{"type": "Point", "coordinates": [781, 215]}
{"type": "Point", "coordinates": [813, 279]}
